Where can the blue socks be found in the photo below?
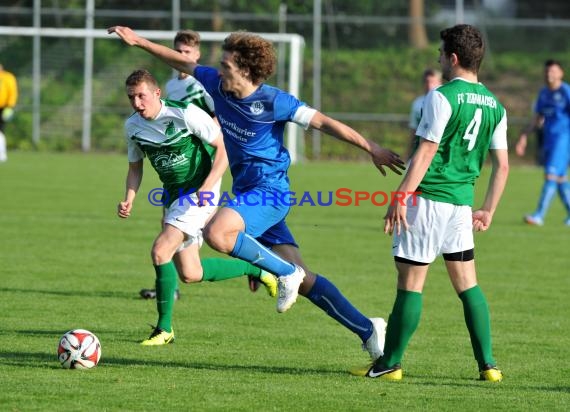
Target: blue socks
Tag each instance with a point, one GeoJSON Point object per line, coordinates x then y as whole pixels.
{"type": "Point", "coordinates": [323, 294]}
{"type": "Point", "coordinates": [326, 296]}
{"type": "Point", "coordinates": [548, 191]}
{"type": "Point", "coordinates": [250, 250]}
{"type": "Point", "coordinates": [564, 192]}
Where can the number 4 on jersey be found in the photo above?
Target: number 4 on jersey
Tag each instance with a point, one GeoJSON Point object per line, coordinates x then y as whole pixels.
{"type": "Point", "coordinates": [473, 129]}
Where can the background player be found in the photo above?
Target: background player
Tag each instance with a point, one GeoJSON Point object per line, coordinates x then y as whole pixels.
{"type": "Point", "coordinates": [552, 116]}
{"type": "Point", "coordinates": [430, 80]}
{"type": "Point", "coordinates": [183, 86]}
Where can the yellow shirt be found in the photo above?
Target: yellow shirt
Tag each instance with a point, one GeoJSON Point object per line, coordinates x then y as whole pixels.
{"type": "Point", "coordinates": [8, 89]}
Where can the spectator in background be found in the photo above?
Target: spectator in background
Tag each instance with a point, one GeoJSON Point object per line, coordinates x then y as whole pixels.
{"type": "Point", "coordinates": [552, 117]}
{"type": "Point", "coordinates": [8, 100]}
{"type": "Point", "coordinates": [431, 79]}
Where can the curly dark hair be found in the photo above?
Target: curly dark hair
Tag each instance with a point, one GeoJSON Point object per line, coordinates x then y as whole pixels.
{"type": "Point", "coordinates": [141, 76]}
{"type": "Point", "coordinates": [467, 43]}
{"type": "Point", "coordinates": [253, 53]}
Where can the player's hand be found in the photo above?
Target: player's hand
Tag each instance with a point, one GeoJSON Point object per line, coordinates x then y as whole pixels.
{"type": "Point", "coordinates": [205, 196]}
{"type": "Point", "coordinates": [481, 220]}
{"type": "Point", "coordinates": [520, 147]}
{"type": "Point", "coordinates": [124, 209]}
{"type": "Point", "coordinates": [125, 33]}
{"type": "Point", "coordinates": [386, 158]}
{"type": "Point", "coordinates": [395, 219]}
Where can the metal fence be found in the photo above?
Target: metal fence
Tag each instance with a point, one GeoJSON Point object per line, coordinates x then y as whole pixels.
{"type": "Point", "coordinates": [330, 37]}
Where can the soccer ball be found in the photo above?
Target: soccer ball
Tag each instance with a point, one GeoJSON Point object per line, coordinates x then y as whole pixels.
{"type": "Point", "coordinates": [79, 349]}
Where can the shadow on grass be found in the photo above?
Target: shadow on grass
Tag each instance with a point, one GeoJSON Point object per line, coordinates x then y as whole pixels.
{"type": "Point", "coordinates": [77, 293]}
{"type": "Point", "coordinates": [35, 332]}
{"type": "Point", "coordinates": [30, 359]}
{"type": "Point", "coordinates": [56, 334]}
{"type": "Point", "coordinates": [43, 360]}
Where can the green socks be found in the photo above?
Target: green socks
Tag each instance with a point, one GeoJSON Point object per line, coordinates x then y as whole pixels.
{"type": "Point", "coordinates": [216, 269]}
{"type": "Point", "coordinates": [478, 323]}
{"type": "Point", "coordinates": [405, 318]}
{"type": "Point", "coordinates": [166, 282]}
{"type": "Point", "coordinates": [402, 324]}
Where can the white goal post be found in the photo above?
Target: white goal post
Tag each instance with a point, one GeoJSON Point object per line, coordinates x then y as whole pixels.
{"type": "Point", "coordinates": [294, 41]}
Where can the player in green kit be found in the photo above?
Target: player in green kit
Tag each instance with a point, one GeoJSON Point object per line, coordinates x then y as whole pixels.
{"type": "Point", "coordinates": [462, 122]}
{"type": "Point", "coordinates": [183, 86]}
{"type": "Point", "coordinates": [185, 147]}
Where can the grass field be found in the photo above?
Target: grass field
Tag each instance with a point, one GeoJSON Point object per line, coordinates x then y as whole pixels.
{"type": "Point", "coordinates": [67, 261]}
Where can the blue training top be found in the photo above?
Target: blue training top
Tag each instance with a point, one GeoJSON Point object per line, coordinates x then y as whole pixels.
{"type": "Point", "coordinates": [554, 106]}
{"type": "Point", "coordinates": [253, 131]}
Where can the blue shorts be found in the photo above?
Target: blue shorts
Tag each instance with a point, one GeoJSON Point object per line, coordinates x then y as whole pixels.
{"type": "Point", "coordinates": [556, 151]}
{"type": "Point", "coordinates": [556, 161]}
{"type": "Point", "coordinates": [263, 211]}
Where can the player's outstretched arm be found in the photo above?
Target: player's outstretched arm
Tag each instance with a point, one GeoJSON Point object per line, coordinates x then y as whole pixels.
{"type": "Point", "coordinates": [381, 157]}
{"type": "Point", "coordinates": [482, 217]}
{"type": "Point", "coordinates": [171, 57]}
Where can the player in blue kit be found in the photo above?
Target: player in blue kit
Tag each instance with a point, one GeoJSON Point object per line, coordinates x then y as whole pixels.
{"type": "Point", "coordinates": [186, 88]}
{"type": "Point", "coordinates": [552, 113]}
{"type": "Point", "coordinates": [253, 116]}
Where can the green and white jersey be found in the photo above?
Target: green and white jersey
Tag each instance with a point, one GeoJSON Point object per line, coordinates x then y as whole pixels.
{"type": "Point", "coordinates": [467, 120]}
{"type": "Point", "coordinates": [416, 112]}
{"type": "Point", "coordinates": [176, 143]}
{"type": "Point", "coordinates": [190, 90]}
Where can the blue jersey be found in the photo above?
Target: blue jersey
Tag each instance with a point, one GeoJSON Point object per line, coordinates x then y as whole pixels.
{"type": "Point", "coordinates": [554, 106]}
{"type": "Point", "coordinates": [253, 130]}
